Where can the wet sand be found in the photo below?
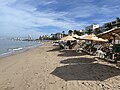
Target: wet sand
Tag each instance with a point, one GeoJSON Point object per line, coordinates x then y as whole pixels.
{"type": "Point", "coordinates": [48, 68]}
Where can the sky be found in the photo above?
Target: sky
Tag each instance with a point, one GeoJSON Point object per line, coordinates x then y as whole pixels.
{"type": "Point", "coordinates": [38, 17]}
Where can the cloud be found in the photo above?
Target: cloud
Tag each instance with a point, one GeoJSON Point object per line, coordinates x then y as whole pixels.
{"type": "Point", "coordinates": [35, 17]}
{"type": "Point", "coordinates": [83, 11]}
{"type": "Point", "coordinates": [16, 20]}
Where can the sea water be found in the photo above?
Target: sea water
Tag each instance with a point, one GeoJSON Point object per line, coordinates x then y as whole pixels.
{"type": "Point", "coordinates": [12, 46]}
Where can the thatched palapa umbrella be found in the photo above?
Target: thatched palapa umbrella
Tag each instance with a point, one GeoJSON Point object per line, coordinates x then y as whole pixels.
{"type": "Point", "coordinates": [75, 36]}
{"type": "Point", "coordinates": [68, 38]}
{"type": "Point", "coordinates": [93, 37]}
{"type": "Point", "coordinates": [81, 37]}
{"type": "Point", "coordinates": [113, 34]}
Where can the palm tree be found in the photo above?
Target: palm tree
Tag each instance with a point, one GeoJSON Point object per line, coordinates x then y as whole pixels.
{"type": "Point", "coordinates": [109, 26]}
{"type": "Point", "coordinates": [63, 32]}
{"type": "Point", "coordinates": [70, 32]}
{"type": "Point", "coordinates": [118, 21]}
{"type": "Point", "coordinates": [90, 31]}
{"type": "Point", "coordinates": [97, 31]}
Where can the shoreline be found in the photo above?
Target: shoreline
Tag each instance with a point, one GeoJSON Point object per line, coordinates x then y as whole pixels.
{"type": "Point", "coordinates": [48, 68]}
{"type": "Point", "coordinates": [14, 52]}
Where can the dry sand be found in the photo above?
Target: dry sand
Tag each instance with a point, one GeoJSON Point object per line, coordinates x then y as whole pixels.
{"type": "Point", "coordinates": [48, 68]}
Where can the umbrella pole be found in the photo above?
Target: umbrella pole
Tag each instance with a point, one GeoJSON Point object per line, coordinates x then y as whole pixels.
{"type": "Point", "coordinates": [113, 56]}
{"type": "Point", "coordinates": [113, 43]}
{"type": "Point", "coordinates": [114, 40]}
{"type": "Point", "coordinates": [92, 45]}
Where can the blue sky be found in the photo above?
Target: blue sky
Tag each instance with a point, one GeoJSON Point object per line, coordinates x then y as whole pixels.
{"type": "Point", "coordinates": [37, 17]}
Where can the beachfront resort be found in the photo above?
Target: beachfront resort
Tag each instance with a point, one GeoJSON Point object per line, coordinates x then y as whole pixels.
{"type": "Point", "coordinates": [59, 44]}
{"type": "Point", "coordinates": [84, 60]}
{"type": "Point", "coordinates": [102, 41]}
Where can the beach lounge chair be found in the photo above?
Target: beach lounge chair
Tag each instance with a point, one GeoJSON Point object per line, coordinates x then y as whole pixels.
{"type": "Point", "coordinates": [101, 54]}
{"type": "Point", "coordinates": [61, 44]}
{"type": "Point", "coordinates": [116, 52]}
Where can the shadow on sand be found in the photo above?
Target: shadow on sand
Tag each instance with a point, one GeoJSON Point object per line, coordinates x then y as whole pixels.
{"type": "Point", "coordinates": [67, 53]}
{"type": "Point", "coordinates": [57, 48]}
{"type": "Point", "coordinates": [86, 72]}
{"type": "Point", "coordinates": [78, 60]}
{"type": "Point", "coordinates": [84, 69]}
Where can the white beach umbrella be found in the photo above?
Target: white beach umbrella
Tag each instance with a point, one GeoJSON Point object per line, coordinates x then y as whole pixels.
{"type": "Point", "coordinates": [81, 37]}
{"type": "Point", "coordinates": [68, 38]}
{"type": "Point", "coordinates": [93, 37]}
{"type": "Point", "coordinates": [75, 36]}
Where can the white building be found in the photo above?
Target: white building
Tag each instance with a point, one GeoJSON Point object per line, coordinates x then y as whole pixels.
{"type": "Point", "coordinates": [110, 25]}
{"type": "Point", "coordinates": [81, 30]}
{"type": "Point", "coordinates": [92, 27]}
{"type": "Point", "coordinates": [58, 35]}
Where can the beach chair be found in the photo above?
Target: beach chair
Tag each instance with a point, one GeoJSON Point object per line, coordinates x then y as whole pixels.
{"type": "Point", "coordinates": [79, 48]}
{"type": "Point", "coordinates": [116, 52]}
{"type": "Point", "coordinates": [61, 45]}
{"type": "Point", "coordinates": [100, 54]}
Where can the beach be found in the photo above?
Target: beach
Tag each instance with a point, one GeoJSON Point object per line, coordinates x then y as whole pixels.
{"type": "Point", "coordinates": [48, 68]}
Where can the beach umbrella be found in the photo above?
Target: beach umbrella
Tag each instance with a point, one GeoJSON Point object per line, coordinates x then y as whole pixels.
{"type": "Point", "coordinates": [90, 37]}
{"type": "Point", "coordinates": [93, 37]}
{"type": "Point", "coordinates": [101, 40]}
{"type": "Point", "coordinates": [81, 37]}
{"type": "Point", "coordinates": [75, 36]}
{"type": "Point", "coordinates": [68, 38]}
{"type": "Point", "coordinates": [111, 34]}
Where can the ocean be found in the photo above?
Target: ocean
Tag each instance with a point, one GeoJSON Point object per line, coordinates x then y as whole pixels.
{"type": "Point", "coordinates": [12, 46]}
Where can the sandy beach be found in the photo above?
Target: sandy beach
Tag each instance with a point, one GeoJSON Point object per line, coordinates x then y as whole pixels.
{"type": "Point", "coordinates": [48, 68]}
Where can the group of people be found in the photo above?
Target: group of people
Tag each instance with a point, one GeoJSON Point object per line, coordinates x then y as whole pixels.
{"type": "Point", "coordinates": [104, 50]}
{"type": "Point", "coordinates": [67, 44]}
